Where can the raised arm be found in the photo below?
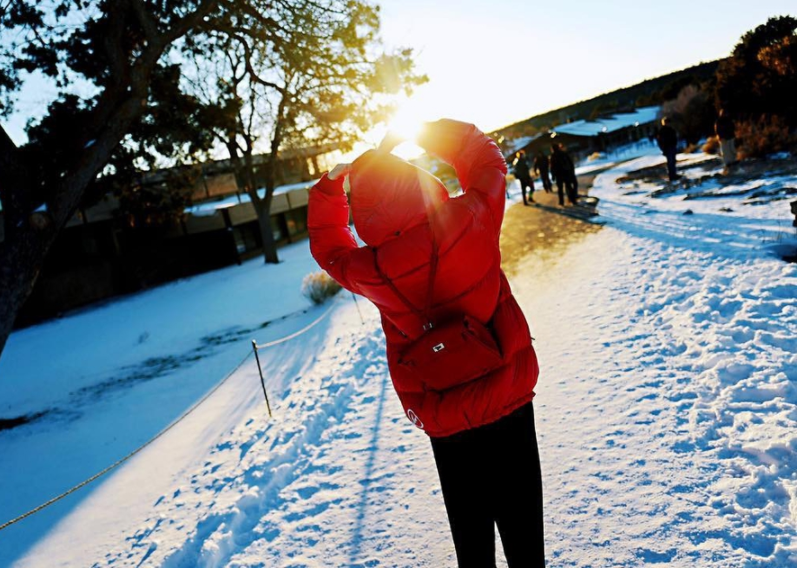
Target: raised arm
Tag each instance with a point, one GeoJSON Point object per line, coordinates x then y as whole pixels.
{"type": "Point", "coordinates": [479, 163]}
{"type": "Point", "coordinates": [331, 241]}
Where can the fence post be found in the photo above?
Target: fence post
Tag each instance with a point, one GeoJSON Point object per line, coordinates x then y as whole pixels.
{"type": "Point", "coordinates": [354, 298]}
{"type": "Point", "coordinates": [260, 372]}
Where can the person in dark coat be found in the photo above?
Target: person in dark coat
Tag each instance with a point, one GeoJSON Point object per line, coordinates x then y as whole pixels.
{"type": "Point", "coordinates": [542, 169]}
{"type": "Point", "coordinates": [562, 168]}
{"type": "Point", "coordinates": [521, 173]}
{"type": "Point", "coordinates": [666, 139]}
{"type": "Point", "coordinates": [724, 129]}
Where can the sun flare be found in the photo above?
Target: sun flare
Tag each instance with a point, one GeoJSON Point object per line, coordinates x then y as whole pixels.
{"type": "Point", "coordinates": [407, 122]}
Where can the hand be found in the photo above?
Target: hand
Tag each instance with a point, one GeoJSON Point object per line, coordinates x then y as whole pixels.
{"type": "Point", "coordinates": [391, 140]}
{"type": "Point", "coordinates": [339, 171]}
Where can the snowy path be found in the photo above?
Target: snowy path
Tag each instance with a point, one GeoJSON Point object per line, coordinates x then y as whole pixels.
{"type": "Point", "coordinates": [665, 412]}
{"type": "Point", "coordinates": [667, 406]}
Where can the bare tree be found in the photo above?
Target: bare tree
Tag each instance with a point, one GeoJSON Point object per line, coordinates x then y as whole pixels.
{"type": "Point", "coordinates": [132, 54]}
{"type": "Point", "coordinates": [321, 80]}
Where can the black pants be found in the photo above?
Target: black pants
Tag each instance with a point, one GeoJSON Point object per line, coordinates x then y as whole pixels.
{"type": "Point", "coordinates": [670, 158]}
{"type": "Point", "coordinates": [491, 474]}
{"type": "Point", "coordinates": [527, 183]}
{"type": "Point", "coordinates": [544, 176]}
{"type": "Point", "coordinates": [570, 188]}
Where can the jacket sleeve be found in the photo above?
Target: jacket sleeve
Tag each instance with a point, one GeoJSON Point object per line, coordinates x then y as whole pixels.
{"type": "Point", "coordinates": [479, 163]}
{"type": "Point", "coordinates": [332, 243]}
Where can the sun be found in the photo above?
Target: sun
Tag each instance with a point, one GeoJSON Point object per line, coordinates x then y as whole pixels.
{"type": "Point", "coordinates": [407, 122]}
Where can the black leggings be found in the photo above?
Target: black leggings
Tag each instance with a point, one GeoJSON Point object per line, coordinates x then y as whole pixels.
{"type": "Point", "coordinates": [491, 474]}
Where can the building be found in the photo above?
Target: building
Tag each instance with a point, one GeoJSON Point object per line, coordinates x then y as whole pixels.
{"type": "Point", "coordinates": [98, 254]}
{"type": "Point", "coordinates": [583, 137]}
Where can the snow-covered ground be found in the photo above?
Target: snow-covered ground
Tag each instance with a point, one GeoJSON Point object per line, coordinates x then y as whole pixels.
{"type": "Point", "coordinates": [104, 380]}
{"type": "Point", "coordinates": [620, 154]}
{"type": "Point", "coordinates": [743, 211]}
{"type": "Point", "coordinates": [666, 408]}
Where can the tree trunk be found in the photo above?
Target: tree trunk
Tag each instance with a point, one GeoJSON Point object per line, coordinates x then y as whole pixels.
{"type": "Point", "coordinates": [242, 169]}
{"type": "Point", "coordinates": [28, 237]}
{"type": "Point", "coordinates": [21, 259]}
{"type": "Point", "coordinates": [264, 215]}
{"type": "Point", "coordinates": [262, 208]}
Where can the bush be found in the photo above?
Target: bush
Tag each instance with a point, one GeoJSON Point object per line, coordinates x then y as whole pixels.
{"type": "Point", "coordinates": [318, 286]}
{"type": "Point", "coordinates": [763, 136]}
{"type": "Point", "coordinates": [760, 75]}
{"type": "Point", "coordinates": [711, 146]}
{"type": "Point", "coordinates": [691, 112]}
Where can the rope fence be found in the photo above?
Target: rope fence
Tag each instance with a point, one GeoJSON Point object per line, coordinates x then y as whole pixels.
{"type": "Point", "coordinates": [256, 347]}
{"type": "Point", "coordinates": [175, 422]}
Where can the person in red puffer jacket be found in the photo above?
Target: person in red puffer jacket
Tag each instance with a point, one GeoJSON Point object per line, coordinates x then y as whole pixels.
{"type": "Point", "coordinates": [424, 248]}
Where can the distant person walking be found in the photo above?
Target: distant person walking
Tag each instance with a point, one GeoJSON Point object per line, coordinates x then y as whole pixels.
{"type": "Point", "coordinates": [458, 347]}
{"type": "Point", "coordinates": [562, 167]}
{"type": "Point", "coordinates": [521, 173]}
{"type": "Point", "coordinates": [667, 139]}
{"type": "Point", "coordinates": [724, 128]}
{"type": "Point", "coordinates": [542, 169]}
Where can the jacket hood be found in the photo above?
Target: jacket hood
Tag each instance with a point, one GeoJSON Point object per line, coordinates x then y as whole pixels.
{"type": "Point", "coordinates": [389, 196]}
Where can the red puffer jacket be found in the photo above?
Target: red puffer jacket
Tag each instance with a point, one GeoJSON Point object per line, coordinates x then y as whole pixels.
{"type": "Point", "coordinates": [394, 205]}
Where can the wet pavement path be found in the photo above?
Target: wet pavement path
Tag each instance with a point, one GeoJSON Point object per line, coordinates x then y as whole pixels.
{"type": "Point", "coordinates": [545, 230]}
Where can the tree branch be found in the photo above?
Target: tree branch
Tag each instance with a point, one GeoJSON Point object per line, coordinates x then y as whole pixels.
{"type": "Point", "coordinates": [13, 172]}
{"type": "Point", "coordinates": [7, 146]}
{"type": "Point", "coordinates": [150, 30]}
{"type": "Point", "coordinates": [187, 22]}
{"type": "Point", "coordinates": [235, 35]}
{"type": "Point", "coordinates": [119, 110]}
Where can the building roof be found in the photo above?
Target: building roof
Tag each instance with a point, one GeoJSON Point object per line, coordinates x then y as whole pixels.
{"type": "Point", "coordinates": [606, 125]}
{"type": "Point", "coordinates": [226, 165]}
{"type": "Point", "coordinates": [211, 207]}
{"type": "Point", "coordinates": [515, 145]}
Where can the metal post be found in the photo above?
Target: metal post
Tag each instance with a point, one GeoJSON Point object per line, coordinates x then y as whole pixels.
{"type": "Point", "coordinates": [362, 321]}
{"type": "Point", "coordinates": [260, 372]}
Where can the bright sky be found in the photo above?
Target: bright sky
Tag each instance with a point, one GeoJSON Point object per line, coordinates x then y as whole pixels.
{"type": "Point", "coordinates": [495, 62]}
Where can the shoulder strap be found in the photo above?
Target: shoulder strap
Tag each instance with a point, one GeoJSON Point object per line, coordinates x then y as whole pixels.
{"type": "Point", "coordinates": [433, 269]}
{"type": "Point", "coordinates": [424, 316]}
